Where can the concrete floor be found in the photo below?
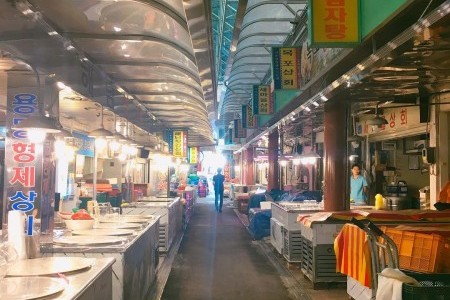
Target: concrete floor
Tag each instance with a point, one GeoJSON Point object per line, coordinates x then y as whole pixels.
{"type": "Point", "coordinates": [218, 259]}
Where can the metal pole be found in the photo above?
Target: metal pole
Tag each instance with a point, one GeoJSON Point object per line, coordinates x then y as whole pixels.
{"type": "Point", "coordinates": [94, 176]}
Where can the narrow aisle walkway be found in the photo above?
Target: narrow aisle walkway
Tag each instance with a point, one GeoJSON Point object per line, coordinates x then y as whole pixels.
{"type": "Point", "coordinates": [217, 260]}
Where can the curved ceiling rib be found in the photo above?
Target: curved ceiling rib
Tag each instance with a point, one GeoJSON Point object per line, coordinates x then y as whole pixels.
{"type": "Point", "coordinates": [146, 98]}
{"type": "Point", "coordinates": [125, 81]}
{"type": "Point", "coordinates": [266, 24]}
{"type": "Point", "coordinates": [135, 38]}
{"type": "Point", "coordinates": [144, 47]}
{"type": "Point", "coordinates": [150, 64]}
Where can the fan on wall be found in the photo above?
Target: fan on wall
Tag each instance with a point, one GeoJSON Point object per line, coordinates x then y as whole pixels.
{"type": "Point", "coordinates": [355, 139]}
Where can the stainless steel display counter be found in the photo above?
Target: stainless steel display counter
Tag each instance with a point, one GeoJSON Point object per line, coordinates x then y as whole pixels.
{"type": "Point", "coordinates": [94, 283]}
{"type": "Point", "coordinates": [134, 270]}
{"type": "Point", "coordinates": [83, 279]}
{"type": "Point", "coordinates": [170, 212]}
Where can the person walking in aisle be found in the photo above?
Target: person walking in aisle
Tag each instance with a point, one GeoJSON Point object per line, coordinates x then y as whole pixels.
{"type": "Point", "coordinates": [218, 180]}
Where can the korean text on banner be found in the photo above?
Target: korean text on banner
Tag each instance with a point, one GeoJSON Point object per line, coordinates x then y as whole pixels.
{"type": "Point", "coordinates": [27, 188]}
{"type": "Point", "coordinates": [179, 143]}
{"type": "Point", "coordinates": [239, 131]}
{"type": "Point", "coordinates": [248, 119]}
{"type": "Point", "coordinates": [169, 140]}
{"type": "Point", "coordinates": [286, 68]}
{"type": "Point", "coordinates": [193, 155]}
{"type": "Point", "coordinates": [262, 101]}
{"type": "Point", "coordinates": [334, 23]}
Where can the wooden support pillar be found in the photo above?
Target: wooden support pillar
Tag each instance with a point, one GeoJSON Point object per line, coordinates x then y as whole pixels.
{"type": "Point", "coordinates": [273, 181]}
{"type": "Point", "coordinates": [335, 154]}
{"type": "Point", "coordinates": [249, 174]}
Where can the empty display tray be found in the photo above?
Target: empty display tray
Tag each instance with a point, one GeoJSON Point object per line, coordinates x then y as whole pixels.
{"type": "Point", "coordinates": [49, 266]}
{"type": "Point", "coordinates": [15, 288]}
{"type": "Point", "coordinates": [86, 240]}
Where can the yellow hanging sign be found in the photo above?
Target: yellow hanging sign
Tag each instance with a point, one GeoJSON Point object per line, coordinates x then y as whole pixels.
{"type": "Point", "coordinates": [334, 23]}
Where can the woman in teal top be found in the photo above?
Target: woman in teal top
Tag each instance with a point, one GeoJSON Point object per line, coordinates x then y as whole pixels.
{"type": "Point", "coordinates": [358, 186]}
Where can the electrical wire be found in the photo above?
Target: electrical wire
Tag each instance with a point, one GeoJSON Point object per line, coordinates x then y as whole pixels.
{"type": "Point", "coordinates": [426, 8]}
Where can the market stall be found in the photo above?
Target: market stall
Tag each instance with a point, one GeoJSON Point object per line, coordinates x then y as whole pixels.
{"type": "Point", "coordinates": [188, 198]}
{"type": "Point", "coordinates": [131, 240]}
{"type": "Point", "coordinates": [168, 209]}
{"type": "Point", "coordinates": [319, 230]}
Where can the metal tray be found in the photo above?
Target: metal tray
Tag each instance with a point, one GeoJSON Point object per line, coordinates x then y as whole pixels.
{"type": "Point", "coordinates": [103, 232]}
{"type": "Point", "coordinates": [86, 240]}
{"type": "Point", "coordinates": [118, 226]}
{"type": "Point", "coordinates": [15, 288]}
{"type": "Point", "coordinates": [126, 219]}
{"type": "Point", "coordinates": [49, 266]}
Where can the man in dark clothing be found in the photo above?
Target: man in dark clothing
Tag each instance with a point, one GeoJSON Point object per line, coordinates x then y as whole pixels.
{"type": "Point", "coordinates": [218, 180]}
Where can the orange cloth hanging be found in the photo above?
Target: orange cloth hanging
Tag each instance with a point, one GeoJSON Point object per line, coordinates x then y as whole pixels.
{"type": "Point", "coordinates": [444, 195]}
{"type": "Point", "coordinates": [353, 256]}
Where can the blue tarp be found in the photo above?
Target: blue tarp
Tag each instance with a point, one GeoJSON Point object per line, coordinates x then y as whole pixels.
{"type": "Point", "coordinates": [259, 225]}
{"type": "Point", "coordinates": [255, 201]}
{"type": "Point", "coordinates": [277, 194]}
{"type": "Point", "coordinates": [300, 197]}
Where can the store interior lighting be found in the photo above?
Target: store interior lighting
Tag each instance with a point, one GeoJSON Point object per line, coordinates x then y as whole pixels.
{"type": "Point", "coordinates": [101, 132]}
{"type": "Point", "coordinates": [283, 161]}
{"type": "Point", "coordinates": [38, 127]}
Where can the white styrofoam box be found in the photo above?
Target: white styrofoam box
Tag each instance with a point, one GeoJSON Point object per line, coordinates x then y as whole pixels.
{"type": "Point", "coordinates": [287, 217]}
{"type": "Point", "coordinates": [357, 291]}
{"type": "Point", "coordinates": [276, 235]}
{"type": "Point", "coordinates": [266, 205]}
{"type": "Point", "coordinates": [321, 233]}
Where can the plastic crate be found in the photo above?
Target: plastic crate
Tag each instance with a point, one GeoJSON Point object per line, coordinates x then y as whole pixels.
{"type": "Point", "coordinates": [432, 287]}
{"type": "Point", "coordinates": [420, 252]}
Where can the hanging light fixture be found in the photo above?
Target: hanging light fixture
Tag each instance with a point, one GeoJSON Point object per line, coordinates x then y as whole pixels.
{"type": "Point", "coordinates": [64, 134]}
{"type": "Point", "coordinates": [377, 120]}
{"type": "Point", "coordinates": [117, 135]}
{"type": "Point", "coordinates": [40, 125]}
{"type": "Point", "coordinates": [101, 132]}
{"type": "Point", "coordinates": [117, 141]}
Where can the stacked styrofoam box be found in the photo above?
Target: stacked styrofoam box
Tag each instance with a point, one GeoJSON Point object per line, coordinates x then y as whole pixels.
{"type": "Point", "coordinates": [321, 233]}
{"type": "Point", "coordinates": [318, 258]}
{"type": "Point", "coordinates": [357, 291]}
{"type": "Point", "coordinates": [286, 216]}
{"type": "Point", "coordinates": [276, 235]}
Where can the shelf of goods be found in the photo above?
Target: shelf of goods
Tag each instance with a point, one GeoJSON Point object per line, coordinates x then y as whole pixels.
{"type": "Point", "coordinates": [169, 210]}
{"type": "Point", "coordinates": [285, 231]}
{"type": "Point", "coordinates": [188, 199]}
{"type": "Point", "coordinates": [137, 258]}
